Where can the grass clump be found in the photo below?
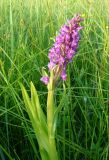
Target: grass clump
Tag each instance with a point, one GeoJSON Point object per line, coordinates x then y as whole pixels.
{"type": "Point", "coordinates": [27, 29]}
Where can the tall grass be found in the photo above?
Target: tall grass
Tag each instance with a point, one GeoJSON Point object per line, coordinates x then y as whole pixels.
{"type": "Point", "coordinates": [27, 29]}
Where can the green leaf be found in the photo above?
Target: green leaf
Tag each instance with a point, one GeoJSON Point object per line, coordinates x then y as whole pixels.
{"type": "Point", "coordinates": [32, 114]}
{"type": "Point", "coordinates": [36, 116]}
{"type": "Point", "coordinates": [40, 113]}
{"type": "Point", "coordinates": [35, 102]}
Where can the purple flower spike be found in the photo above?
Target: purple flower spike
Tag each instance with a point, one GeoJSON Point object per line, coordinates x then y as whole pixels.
{"type": "Point", "coordinates": [45, 80]}
{"type": "Point", "coordinates": [64, 48]}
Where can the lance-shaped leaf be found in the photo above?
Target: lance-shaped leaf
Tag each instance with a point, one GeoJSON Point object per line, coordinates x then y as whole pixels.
{"type": "Point", "coordinates": [40, 131]}
{"type": "Point", "coordinates": [37, 107]}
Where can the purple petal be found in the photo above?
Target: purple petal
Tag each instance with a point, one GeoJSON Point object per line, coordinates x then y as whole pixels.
{"type": "Point", "coordinates": [51, 65]}
{"type": "Point", "coordinates": [70, 54]}
{"type": "Point", "coordinates": [64, 75]}
{"type": "Point", "coordinates": [45, 80]}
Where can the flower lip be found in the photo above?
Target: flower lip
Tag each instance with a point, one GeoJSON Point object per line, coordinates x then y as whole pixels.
{"type": "Point", "coordinates": [45, 79]}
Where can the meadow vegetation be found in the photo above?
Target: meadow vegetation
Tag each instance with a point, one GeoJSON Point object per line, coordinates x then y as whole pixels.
{"type": "Point", "coordinates": [27, 32]}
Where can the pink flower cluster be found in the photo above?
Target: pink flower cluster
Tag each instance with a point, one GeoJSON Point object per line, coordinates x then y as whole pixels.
{"type": "Point", "coordinates": [64, 48]}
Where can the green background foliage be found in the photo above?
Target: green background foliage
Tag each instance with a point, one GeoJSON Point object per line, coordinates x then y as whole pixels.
{"type": "Point", "coordinates": [27, 30]}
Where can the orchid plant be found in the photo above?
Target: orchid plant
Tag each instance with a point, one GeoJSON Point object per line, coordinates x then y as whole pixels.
{"type": "Point", "coordinates": [62, 52]}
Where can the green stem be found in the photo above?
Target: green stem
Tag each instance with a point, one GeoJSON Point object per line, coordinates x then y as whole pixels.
{"type": "Point", "coordinates": [44, 155]}
{"type": "Point", "coordinates": [50, 115]}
